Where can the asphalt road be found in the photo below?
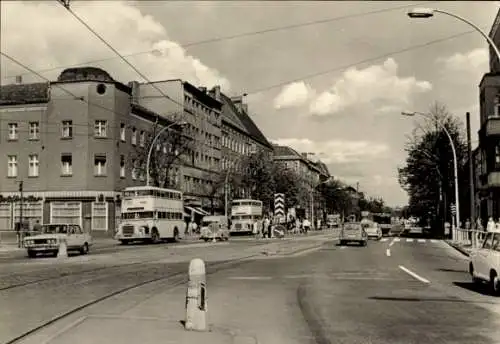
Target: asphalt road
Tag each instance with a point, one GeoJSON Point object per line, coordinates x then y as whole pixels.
{"type": "Point", "coordinates": [420, 293]}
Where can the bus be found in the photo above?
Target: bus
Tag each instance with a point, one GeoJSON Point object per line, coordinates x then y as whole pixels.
{"type": "Point", "coordinates": [151, 214]}
{"type": "Point", "coordinates": [244, 213]}
{"type": "Point", "coordinates": [384, 220]}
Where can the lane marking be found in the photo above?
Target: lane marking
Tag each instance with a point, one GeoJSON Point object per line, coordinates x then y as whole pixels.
{"type": "Point", "coordinates": [434, 241]}
{"type": "Point", "coordinates": [421, 240]}
{"type": "Point", "coordinates": [397, 239]}
{"type": "Point", "coordinates": [392, 242]}
{"type": "Point", "coordinates": [252, 278]}
{"type": "Point", "coordinates": [342, 247]}
{"type": "Point", "coordinates": [409, 240]}
{"type": "Point", "coordinates": [414, 275]}
{"type": "Point", "coordinates": [384, 239]}
{"type": "Point", "coordinates": [388, 252]}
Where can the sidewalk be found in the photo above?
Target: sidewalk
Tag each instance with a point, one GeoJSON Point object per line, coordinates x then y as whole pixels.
{"type": "Point", "coordinates": [464, 249]}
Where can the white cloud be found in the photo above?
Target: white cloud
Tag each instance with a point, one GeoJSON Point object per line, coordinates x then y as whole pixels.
{"type": "Point", "coordinates": [378, 83]}
{"type": "Point", "coordinates": [48, 37]}
{"type": "Point", "coordinates": [337, 151]}
{"type": "Point", "coordinates": [473, 61]}
{"type": "Point", "coordinates": [293, 95]}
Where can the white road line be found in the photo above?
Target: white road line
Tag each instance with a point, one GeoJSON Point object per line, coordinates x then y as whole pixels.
{"type": "Point", "coordinates": [392, 242]}
{"type": "Point", "coordinates": [409, 240]}
{"type": "Point", "coordinates": [388, 252]}
{"type": "Point", "coordinates": [414, 275]}
{"type": "Point", "coordinates": [434, 241]}
{"type": "Point", "coordinates": [342, 247]}
{"type": "Point", "coordinates": [397, 239]}
{"type": "Point", "coordinates": [384, 239]}
{"type": "Point", "coordinates": [253, 278]}
{"type": "Point", "coordinates": [421, 240]}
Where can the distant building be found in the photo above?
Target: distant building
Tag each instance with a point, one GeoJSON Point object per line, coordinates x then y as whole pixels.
{"type": "Point", "coordinates": [311, 173]}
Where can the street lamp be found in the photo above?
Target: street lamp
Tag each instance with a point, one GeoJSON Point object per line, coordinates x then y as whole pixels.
{"type": "Point", "coordinates": [419, 13]}
{"type": "Point", "coordinates": [153, 144]}
{"type": "Point", "coordinates": [312, 197]}
{"type": "Point", "coordinates": [455, 162]}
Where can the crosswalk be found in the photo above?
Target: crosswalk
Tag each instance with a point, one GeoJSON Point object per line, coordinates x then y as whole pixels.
{"type": "Point", "coordinates": [410, 240]}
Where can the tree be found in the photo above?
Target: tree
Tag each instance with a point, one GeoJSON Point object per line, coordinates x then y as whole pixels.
{"type": "Point", "coordinates": [336, 196]}
{"type": "Point", "coordinates": [257, 176]}
{"type": "Point", "coordinates": [288, 182]}
{"type": "Point", "coordinates": [215, 188]}
{"type": "Point", "coordinates": [172, 148]}
{"type": "Point", "coordinates": [428, 174]}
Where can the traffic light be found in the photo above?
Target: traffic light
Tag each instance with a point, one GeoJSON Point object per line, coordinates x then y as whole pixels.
{"type": "Point", "coordinates": [21, 186]}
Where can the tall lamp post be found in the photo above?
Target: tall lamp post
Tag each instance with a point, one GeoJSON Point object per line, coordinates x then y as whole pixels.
{"type": "Point", "coordinates": [153, 145]}
{"type": "Point", "coordinates": [455, 161]}
{"type": "Point", "coordinates": [419, 13]}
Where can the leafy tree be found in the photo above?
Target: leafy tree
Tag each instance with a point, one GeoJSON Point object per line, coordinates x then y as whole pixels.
{"type": "Point", "coordinates": [428, 174]}
{"type": "Point", "coordinates": [337, 197]}
{"type": "Point", "coordinates": [288, 182]}
{"type": "Point", "coordinates": [171, 149]}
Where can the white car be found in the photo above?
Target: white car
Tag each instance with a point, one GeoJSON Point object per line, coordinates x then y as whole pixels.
{"type": "Point", "coordinates": [484, 265]}
{"type": "Point", "coordinates": [51, 235]}
{"type": "Point", "coordinates": [373, 230]}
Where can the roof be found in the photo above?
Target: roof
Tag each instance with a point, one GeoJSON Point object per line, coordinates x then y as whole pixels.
{"type": "Point", "coordinates": [229, 114]}
{"type": "Point", "coordinates": [285, 151]}
{"type": "Point", "coordinates": [19, 94]}
{"type": "Point", "coordinates": [253, 130]}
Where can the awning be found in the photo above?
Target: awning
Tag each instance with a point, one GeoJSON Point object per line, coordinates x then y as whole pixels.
{"type": "Point", "coordinates": [199, 211]}
{"type": "Point", "coordinates": [186, 214]}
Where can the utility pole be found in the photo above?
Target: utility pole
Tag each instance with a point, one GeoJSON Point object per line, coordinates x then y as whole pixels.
{"type": "Point", "coordinates": [471, 172]}
{"type": "Point", "coordinates": [65, 3]}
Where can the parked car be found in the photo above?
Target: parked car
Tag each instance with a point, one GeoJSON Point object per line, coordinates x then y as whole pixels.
{"type": "Point", "coordinates": [372, 230]}
{"type": "Point", "coordinates": [51, 235]}
{"type": "Point", "coordinates": [353, 232]}
{"type": "Point", "coordinates": [484, 262]}
{"type": "Point", "coordinates": [214, 227]}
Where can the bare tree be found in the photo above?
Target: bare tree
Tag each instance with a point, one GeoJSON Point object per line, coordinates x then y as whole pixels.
{"type": "Point", "coordinates": [172, 149]}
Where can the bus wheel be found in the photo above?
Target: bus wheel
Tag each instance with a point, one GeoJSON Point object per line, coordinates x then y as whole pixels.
{"type": "Point", "coordinates": [154, 236]}
{"type": "Point", "coordinates": [176, 234]}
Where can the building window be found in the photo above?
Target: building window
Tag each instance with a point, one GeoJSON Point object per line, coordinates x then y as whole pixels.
{"type": "Point", "coordinates": [122, 132]}
{"type": "Point", "coordinates": [134, 169]}
{"type": "Point", "coordinates": [496, 106]}
{"type": "Point", "coordinates": [5, 215]}
{"type": "Point", "coordinates": [100, 165]}
{"type": "Point", "coordinates": [12, 166]}
{"type": "Point", "coordinates": [66, 212]}
{"type": "Point", "coordinates": [134, 136]}
{"type": "Point", "coordinates": [34, 166]}
{"type": "Point", "coordinates": [100, 128]}
{"type": "Point", "coordinates": [66, 165]}
{"type": "Point", "coordinates": [32, 211]}
{"type": "Point", "coordinates": [67, 129]}
{"type": "Point", "coordinates": [100, 216]}
{"type": "Point", "coordinates": [13, 132]}
{"type": "Point", "coordinates": [122, 166]}
{"type": "Point", "coordinates": [142, 139]}
{"type": "Point", "coordinates": [34, 131]}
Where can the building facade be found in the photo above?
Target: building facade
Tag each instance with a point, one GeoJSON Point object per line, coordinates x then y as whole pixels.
{"type": "Point", "coordinates": [487, 154]}
{"type": "Point", "coordinates": [311, 173]}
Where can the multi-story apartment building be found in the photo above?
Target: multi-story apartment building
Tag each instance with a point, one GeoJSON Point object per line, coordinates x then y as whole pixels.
{"type": "Point", "coordinates": [311, 173]}
{"type": "Point", "coordinates": [72, 143]}
{"type": "Point", "coordinates": [240, 137]}
{"type": "Point", "coordinates": [487, 155]}
{"type": "Point", "coordinates": [201, 110]}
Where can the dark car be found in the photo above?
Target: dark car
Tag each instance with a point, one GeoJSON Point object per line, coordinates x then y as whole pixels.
{"type": "Point", "coordinates": [353, 232]}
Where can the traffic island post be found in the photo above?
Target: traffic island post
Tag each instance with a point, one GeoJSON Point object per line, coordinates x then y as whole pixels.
{"type": "Point", "coordinates": [63, 249]}
{"type": "Point", "coordinates": [196, 297]}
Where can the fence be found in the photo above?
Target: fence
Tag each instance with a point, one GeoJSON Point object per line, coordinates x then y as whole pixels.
{"type": "Point", "coordinates": [470, 238]}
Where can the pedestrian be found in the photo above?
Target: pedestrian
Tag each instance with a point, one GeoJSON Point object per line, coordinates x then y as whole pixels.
{"type": "Point", "coordinates": [490, 226]}
{"type": "Point", "coordinates": [266, 229]}
{"type": "Point", "coordinates": [307, 225]}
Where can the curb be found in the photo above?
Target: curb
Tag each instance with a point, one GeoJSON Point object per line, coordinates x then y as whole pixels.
{"type": "Point", "coordinates": [458, 248]}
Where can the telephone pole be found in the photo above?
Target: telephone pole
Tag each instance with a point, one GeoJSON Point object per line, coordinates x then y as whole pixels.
{"type": "Point", "coordinates": [20, 236]}
{"type": "Point", "coordinates": [471, 173]}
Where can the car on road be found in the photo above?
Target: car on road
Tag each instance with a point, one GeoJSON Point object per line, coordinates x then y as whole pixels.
{"type": "Point", "coordinates": [51, 236]}
{"type": "Point", "coordinates": [372, 230]}
{"type": "Point", "coordinates": [214, 227]}
{"type": "Point", "coordinates": [484, 262]}
{"type": "Point", "coordinates": [353, 232]}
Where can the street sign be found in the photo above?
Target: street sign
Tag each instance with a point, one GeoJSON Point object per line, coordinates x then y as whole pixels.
{"type": "Point", "coordinates": [279, 205]}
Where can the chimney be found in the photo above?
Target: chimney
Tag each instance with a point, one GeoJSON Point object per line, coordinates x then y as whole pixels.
{"type": "Point", "coordinates": [244, 107]}
{"type": "Point", "coordinates": [135, 89]}
{"type": "Point", "coordinates": [19, 79]}
{"type": "Point", "coordinates": [216, 90]}
{"type": "Point", "coordinates": [203, 89]}
{"type": "Point", "coordinates": [304, 155]}
{"type": "Point", "coordinates": [238, 102]}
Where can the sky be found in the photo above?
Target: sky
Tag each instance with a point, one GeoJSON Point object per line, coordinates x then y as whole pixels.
{"type": "Point", "coordinates": [329, 78]}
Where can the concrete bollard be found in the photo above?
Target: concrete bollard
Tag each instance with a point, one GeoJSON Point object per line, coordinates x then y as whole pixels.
{"type": "Point", "coordinates": [63, 249]}
{"type": "Point", "coordinates": [196, 297]}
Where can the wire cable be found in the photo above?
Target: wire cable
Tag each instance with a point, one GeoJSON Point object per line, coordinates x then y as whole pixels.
{"type": "Point", "coordinates": [241, 35]}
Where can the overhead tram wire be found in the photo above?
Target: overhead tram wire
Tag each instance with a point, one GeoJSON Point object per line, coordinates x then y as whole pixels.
{"type": "Point", "coordinates": [125, 115]}
{"type": "Point", "coordinates": [245, 34]}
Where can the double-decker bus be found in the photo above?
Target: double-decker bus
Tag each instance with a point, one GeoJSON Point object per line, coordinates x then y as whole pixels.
{"type": "Point", "coordinates": [244, 213]}
{"type": "Point", "coordinates": [384, 220]}
{"type": "Point", "coordinates": [152, 214]}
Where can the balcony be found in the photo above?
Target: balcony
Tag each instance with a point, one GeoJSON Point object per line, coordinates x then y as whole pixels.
{"type": "Point", "coordinates": [491, 127]}
{"type": "Point", "coordinates": [494, 179]}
